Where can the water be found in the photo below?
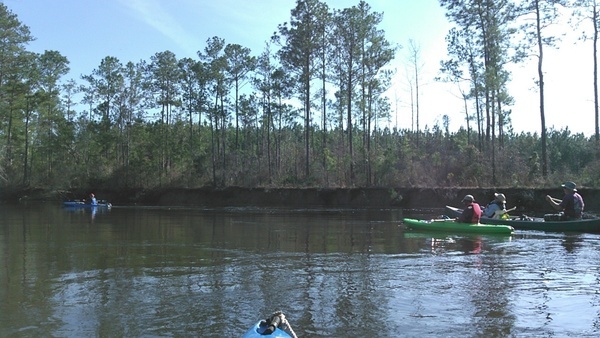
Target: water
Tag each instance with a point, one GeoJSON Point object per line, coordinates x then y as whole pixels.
{"type": "Point", "coordinates": [159, 272]}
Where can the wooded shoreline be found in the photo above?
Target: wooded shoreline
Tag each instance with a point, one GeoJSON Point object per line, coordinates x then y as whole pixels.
{"type": "Point", "coordinates": [524, 199]}
{"type": "Point", "coordinates": [289, 127]}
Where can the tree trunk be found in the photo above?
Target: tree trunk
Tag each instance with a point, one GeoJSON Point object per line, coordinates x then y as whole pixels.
{"type": "Point", "coordinates": [596, 103]}
{"type": "Point", "coordinates": [541, 86]}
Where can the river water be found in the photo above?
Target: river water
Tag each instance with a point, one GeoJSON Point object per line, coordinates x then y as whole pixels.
{"type": "Point", "coordinates": [175, 272]}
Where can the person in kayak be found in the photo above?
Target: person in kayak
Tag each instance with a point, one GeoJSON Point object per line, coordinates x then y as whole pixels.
{"type": "Point", "coordinates": [571, 205]}
{"type": "Point", "coordinates": [93, 200]}
{"type": "Point", "coordinates": [472, 211]}
{"type": "Point", "coordinates": [497, 205]}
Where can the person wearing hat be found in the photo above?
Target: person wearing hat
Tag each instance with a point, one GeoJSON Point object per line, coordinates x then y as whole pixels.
{"type": "Point", "coordinates": [472, 211]}
{"type": "Point", "coordinates": [497, 206]}
{"type": "Point", "coordinates": [572, 203]}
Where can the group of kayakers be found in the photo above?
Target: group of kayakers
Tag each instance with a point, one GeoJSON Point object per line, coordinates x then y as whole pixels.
{"type": "Point", "coordinates": [570, 207]}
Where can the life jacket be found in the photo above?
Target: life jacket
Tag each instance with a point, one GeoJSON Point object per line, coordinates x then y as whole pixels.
{"type": "Point", "coordinates": [476, 213]}
{"type": "Point", "coordinates": [471, 214]}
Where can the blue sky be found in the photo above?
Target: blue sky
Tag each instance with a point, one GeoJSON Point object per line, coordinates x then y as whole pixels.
{"type": "Point", "coordinates": [86, 31]}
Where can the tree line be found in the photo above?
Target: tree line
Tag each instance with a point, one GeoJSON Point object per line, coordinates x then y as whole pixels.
{"type": "Point", "coordinates": [309, 110]}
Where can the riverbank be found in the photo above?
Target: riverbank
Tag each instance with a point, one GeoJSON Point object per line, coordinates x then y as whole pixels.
{"type": "Point", "coordinates": [524, 199]}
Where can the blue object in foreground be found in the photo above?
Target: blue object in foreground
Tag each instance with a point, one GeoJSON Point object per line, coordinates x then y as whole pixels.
{"type": "Point", "coordinates": [259, 330]}
{"type": "Point", "coordinates": [270, 328]}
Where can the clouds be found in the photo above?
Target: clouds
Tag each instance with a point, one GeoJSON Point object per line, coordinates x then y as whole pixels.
{"type": "Point", "coordinates": [186, 25]}
{"type": "Point", "coordinates": [160, 18]}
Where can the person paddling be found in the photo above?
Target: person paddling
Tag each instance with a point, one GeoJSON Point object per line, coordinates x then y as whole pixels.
{"type": "Point", "coordinates": [472, 211]}
{"type": "Point", "coordinates": [498, 204]}
{"type": "Point", "coordinates": [571, 205]}
{"type": "Point", "coordinates": [93, 200]}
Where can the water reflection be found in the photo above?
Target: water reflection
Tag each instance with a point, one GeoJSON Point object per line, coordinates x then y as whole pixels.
{"type": "Point", "coordinates": [571, 242]}
{"type": "Point", "coordinates": [335, 273]}
{"type": "Point", "coordinates": [441, 243]}
{"type": "Point", "coordinates": [89, 212]}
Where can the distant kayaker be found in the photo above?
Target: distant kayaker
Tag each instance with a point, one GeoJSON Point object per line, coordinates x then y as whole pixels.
{"type": "Point", "coordinates": [497, 205]}
{"type": "Point", "coordinates": [93, 200]}
{"type": "Point", "coordinates": [572, 203]}
{"type": "Point", "coordinates": [471, 212]}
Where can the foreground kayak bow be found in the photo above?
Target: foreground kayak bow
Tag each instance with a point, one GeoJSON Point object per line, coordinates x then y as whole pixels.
{"type": "Point", "coordinates": [274, 326]}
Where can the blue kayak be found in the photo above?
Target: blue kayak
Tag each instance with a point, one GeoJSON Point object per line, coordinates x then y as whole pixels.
{"type": "Point", "coordinates": [80, 204]}
{"type": "Point", "coordinates": [271, 328]}
{"type": "Point", "coordinates": [259, 330]}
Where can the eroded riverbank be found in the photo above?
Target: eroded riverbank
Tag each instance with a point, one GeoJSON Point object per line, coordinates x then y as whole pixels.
{"type": "Point", "coordinates": [524, 199]}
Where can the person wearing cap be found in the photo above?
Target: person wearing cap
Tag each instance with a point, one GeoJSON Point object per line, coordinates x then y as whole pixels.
{"type": "Point", "coordinates": [472, 211]}
{"type": "Point", "coordinates": [498, 204]}
{"type": "Point", "coordinates": [572, 203]}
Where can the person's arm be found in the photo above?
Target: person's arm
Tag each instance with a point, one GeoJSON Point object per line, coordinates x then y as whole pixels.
{"type": "Point", "coordinates": [554, 202]}
{"type": "Point", "coordinates": [498, 213]}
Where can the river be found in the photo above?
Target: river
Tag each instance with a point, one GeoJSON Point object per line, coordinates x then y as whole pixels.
{"type": "Point", "coordinates": [179, 272]}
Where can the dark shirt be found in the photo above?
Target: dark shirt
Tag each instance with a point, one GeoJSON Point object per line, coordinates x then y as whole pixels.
{"type": "Point", "coordinates": [572, 205]}
{"type": "Point", "coordinates": [471, 213]}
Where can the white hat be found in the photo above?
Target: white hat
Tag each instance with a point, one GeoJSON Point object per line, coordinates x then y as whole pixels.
{"type": "Point", "coordinates": [500, 197]}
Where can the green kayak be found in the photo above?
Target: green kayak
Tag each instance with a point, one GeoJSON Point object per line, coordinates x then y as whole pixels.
{"type": "Point", "coordinates": [590, 225]}
{"type": "Point", "coordinates": [449, 225]}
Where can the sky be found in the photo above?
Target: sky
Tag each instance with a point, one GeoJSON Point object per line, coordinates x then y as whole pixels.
{"type": "Point", "coordinates": [87, 31]}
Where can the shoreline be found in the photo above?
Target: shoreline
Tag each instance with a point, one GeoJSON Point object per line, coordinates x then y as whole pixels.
{"type": "Point", "coordinates": [377, 197]}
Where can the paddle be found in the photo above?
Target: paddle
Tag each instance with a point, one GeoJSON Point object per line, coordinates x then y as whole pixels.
{"type": "Point", "coordinates": [556, 200]}
{"type": "Point", "coordinates": [499, 213]}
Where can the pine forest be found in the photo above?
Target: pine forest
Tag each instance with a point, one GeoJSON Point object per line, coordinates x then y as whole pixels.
{"type": "Point", "coordinates": [310, 110]}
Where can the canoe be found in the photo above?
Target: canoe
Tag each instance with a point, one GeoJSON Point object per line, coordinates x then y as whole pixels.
{"type": "Point", "coordinates": [80, 204]}
{"type": "Point", "coordinates": [274, 326]}
{"type": "Point", "coordinates": [591, 225]}
{"type": "Point", "coordinates": [449, 225]}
